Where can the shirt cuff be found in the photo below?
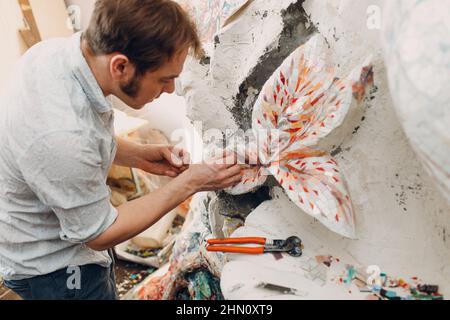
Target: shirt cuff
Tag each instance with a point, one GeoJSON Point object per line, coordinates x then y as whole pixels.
{"type": "Point", "coordinates": [92, 226]}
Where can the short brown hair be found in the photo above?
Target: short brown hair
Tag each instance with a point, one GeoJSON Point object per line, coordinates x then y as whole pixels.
{"type": "Point", "coordinates": [148, 32]}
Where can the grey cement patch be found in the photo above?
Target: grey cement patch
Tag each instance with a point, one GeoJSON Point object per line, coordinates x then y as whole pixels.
{"type": "Point", "coordinates": [295, 33]}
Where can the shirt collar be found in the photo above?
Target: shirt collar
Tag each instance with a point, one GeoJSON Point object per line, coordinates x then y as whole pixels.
{"type": "Point", "coordinates": [85, 77]}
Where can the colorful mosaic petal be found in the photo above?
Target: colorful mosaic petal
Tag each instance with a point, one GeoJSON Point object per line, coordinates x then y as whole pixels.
{"type": "Point", "coordinates": [316, 185]}
{"type": "Point", "coordinates": [300, 104]}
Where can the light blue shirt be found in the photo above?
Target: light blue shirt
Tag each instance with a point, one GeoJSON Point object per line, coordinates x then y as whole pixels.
{"type": "Point", "coordinates": [56, 148]}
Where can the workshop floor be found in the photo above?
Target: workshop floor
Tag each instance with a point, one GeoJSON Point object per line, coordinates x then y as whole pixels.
{"type": "Point", "coordinates": [6, 294]}
{"type": "Point", "coordinates": [128, 275]}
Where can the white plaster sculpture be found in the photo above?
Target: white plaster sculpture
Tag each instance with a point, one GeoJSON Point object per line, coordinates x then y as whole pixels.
{"type": "Point", "coordinates": [417, 51]}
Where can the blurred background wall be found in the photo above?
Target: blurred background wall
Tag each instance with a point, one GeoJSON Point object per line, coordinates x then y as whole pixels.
{"type": "Point", "coordinates": [51, 17]}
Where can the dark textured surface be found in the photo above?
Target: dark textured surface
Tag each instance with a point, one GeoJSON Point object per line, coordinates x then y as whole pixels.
{"type": "Point", "coordinates": [294, 34]}
{"type": "Point", "coordinates": [242, 205]}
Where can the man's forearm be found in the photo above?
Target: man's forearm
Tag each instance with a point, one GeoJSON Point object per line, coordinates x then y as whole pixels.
{"type": "Point", "coordinates": [127, 153]}
{"type": "Point", "coordinates": [138, 215]}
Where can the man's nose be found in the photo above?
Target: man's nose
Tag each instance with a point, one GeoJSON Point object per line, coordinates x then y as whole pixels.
{"type": "Point", "coordinates": [170, 88]}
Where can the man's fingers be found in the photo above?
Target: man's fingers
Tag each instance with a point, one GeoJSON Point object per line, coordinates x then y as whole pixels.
{"type": "Point", "coordinates": [170, 154]}
{"type": "Point", "coordinates": [181, 154]}
{"type": "Point", "coordinates": [162, 170]}
{"type": "Point", "coordinates": [171, 174]}
{"type": "Point", "coordinates": [185, 157]}
{"type": "Point", "coordinates": [231, 182]}
{"type": "Point", "coordinates": [233, 171]}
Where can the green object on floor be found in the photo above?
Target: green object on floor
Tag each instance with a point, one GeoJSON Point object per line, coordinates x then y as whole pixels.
{"type": "Point", "coordinates": [200, 285]}
{"type": "Point", "coordinates": [204, 286]}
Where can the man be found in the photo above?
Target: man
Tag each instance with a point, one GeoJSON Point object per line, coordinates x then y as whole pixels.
{"type": "Point", "coordinates": [57, 145]}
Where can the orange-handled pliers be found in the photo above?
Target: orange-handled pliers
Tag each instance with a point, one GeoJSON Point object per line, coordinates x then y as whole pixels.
{"type": "Point", "coordinates": [292, 245]}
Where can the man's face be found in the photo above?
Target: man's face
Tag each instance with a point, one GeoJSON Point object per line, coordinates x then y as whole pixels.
{"type": "Point", "coordinates": [144, 89]}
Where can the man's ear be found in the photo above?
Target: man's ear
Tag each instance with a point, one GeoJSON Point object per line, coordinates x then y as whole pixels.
{"type": "Point", "coordinates": [121, 68]}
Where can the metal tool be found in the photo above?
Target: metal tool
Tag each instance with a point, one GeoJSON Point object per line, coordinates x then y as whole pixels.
{"type": "Point", "coordinates": [281, 289]}
{"type": "Point", "coordinates": [292, 245]}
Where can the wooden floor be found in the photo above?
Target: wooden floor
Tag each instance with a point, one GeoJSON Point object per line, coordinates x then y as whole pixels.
{"type": "Point", "coordinates": [6, 294]}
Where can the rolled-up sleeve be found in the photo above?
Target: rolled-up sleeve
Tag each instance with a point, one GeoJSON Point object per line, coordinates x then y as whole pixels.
{"type": "Point", "coordinates": [66, 172]}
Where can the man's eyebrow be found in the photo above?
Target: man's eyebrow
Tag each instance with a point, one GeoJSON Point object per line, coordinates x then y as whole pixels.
{"type": "Point", "coordinates": [174, 76]}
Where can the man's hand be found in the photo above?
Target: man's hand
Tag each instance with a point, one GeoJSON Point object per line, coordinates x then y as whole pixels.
{"type": "Point", "coordinates": [214, 175]}
{"type": "Point", "coordinates": [138, 215]}
{"type": "Point", "coordinates": [162, 160]}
